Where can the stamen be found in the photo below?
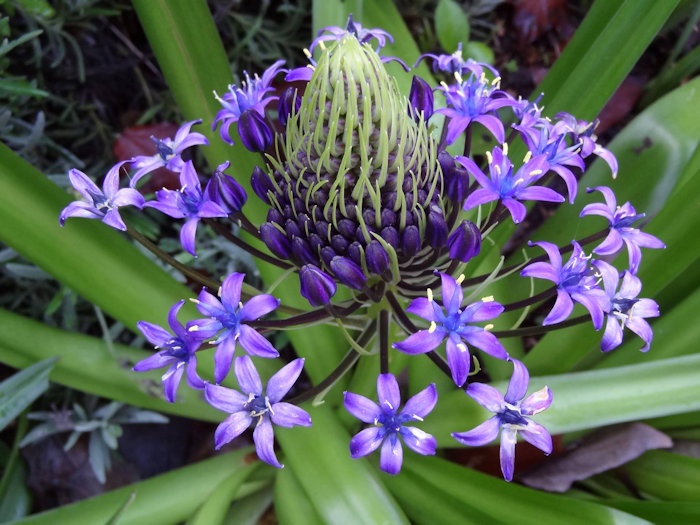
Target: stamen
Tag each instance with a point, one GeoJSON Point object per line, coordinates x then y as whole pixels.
{"type": "Point", "coordinates": [505, 148]}
{"type": "Point", "coordinates": [433, 327]}
{"type": "Point", "coordinates": [460, 279]}
{"type": "Point", "coordinates": [429, 293]}
{"type": "Point", "coordinates": [488, 327]}
{"type": "Point", "coordinates": [527, 157]}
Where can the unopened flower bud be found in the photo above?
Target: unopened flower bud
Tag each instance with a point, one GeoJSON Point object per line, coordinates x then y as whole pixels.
{"type": "Point", "coordinates": [316, 286]}
{"type": "Point", "coordinates": [465, 242]}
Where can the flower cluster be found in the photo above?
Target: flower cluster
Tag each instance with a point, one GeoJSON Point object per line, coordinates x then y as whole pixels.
{"type": "Point", "coordinates": [380, 222]}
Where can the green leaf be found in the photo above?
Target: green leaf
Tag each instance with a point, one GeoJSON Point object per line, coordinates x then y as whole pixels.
{"type": "Point", "coordinates": [666, 475]}
{"type": "Point", "coordinates": [20, 390]}
{"type": "Point", "coordinates": [679, 513]}
{"type": "Point", "coordinates": [292, 504]}
{"type": "Point", "coordinates": [479, 52]}
{"type": "Point", "coordinates": [451, 25]}
{"type": "Point", "coordinates": [167, 498]}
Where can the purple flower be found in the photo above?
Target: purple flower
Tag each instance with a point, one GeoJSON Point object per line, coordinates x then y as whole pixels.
{"type": "Point", "coordinates": [187, 202]}
{"type": "Point", "coordinates": [316, 286]}
{"type": "Point", "coordinates": [455, 63]}
{"type": "Point", "coordinates": [388, 423]}
{"type": "Point", "coordinates": [225, 191]}
{"type": "Point", "coordinates": [251, 96]}
{"type": "Point", "coordinates": [625, 309]}
{"type": "Point", "coordinates": [229, 315]}
{"type": "Point", "coordinates": [176, 351]}
{"type": "Point", "coordinates": [169, 152]}
{"type": "Point", "coordinates": [353, 28]}
{"type": "Point", "coordinates": [620, 219]}
{"type": "Point", "coordinates": [454, 326]}
{"type": "Point", "coordinates": [102, 203]}
{"type": "Point", "coordinates": [510, 417]}
{"type": "Point", "coordinates": [474, 100]}
{"type": "Point", "coordinates": [252, 405]}
{"type": "Point", "coordinates": [508, 187]}
{"type": "Point", "coordinates": [583, 132]}
{"type": "Point", "coordinates": [543, 139]}
{"type": "Point", "coordinates": [576, 281]}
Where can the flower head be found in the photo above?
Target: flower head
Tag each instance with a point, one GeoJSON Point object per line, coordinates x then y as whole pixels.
{"type": "Point", "coordinates": [388, 423]}
{"type": "Point", "coordinates": [252, 95]}
{"type": "Point", "coordinates": [188, 202]}
{"type": "Point", "coordinates": [253, 405]}
{"type": "Point", "coordinates": [175, 351]}
{"type": "Point", "coordinates": [228, 317]}
{"type": "Point", "coordinates": [620, 220]}
{"type": "Point", "coordinates": [508, 187]}
{"type": "Point", "coordinates": [169, 153]}
{"type": "Point", "coordinates": [510, 417]}
{"type": "Point", "coordinates": [625, 309]}
{"type": "Point", "coordinates": [455, 63]}
{"type": "Point", "coordinates": [577, 280]}
{"type": "Point", "coordinates": [102, 203]}
{"type": "Point", "coordinates": [453, 324]}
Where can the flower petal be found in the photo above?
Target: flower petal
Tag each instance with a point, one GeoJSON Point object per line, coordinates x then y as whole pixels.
{"type": "Point", "coordinates": [519, 381]}
{"type": "Point", "coordinates": [231, 291]}
{"type": "Point", "coordinates": [487, 396]}
{"type": "Point", "coordinates": [388, 393]}
{"type": "Point", "coordinates": [365, 442]}
{"type": "Point", "coordinates": [421, 342]}
{"type": "Point", "coordinates": [538, 436]}
{"type": "Point", "coordinates": [361, 407]}
{"type": "Point", "coordinates": [421, 404]}
{"type": "Point", "coordinates": [223, 357]}
{"type": "Point", "coordinates": [224, 399]}
{"type": "Point", "coordinates": [391, 455]}
{"type": "Point", "coordinates": [255, 343]}
{"type": "Point", "coordinates": [258, 306]}
{"type": "Point", "coordinates": [231, 427]}
{"type": "Point", "coordinates": [247, 376]}
{"type": "Point", "coordinates": [280, 383]}
{"type": "Point", "coordinates": [288, 415]}
{"type": "Point", "coordinates": [264, 439]}
{"type": "Point", "coordinates": [419, 441]}
{"type": "Point", "coordinates": [485, 433]}
{"type": "Point", "coordinates": [507, 453]}
{"type": "Point", "coordinates": [536, 402]}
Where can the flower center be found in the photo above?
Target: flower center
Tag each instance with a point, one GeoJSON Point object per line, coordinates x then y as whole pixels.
{"type": "Point", "coordinates": [258, 405]}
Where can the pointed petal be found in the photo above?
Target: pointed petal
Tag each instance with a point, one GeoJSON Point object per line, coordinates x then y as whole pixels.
{"type": "Point", "coordinates": [612, 337]}
{"type": "Point", "coordinates": [541, 270]}
{"type": "Point", "coordinates": [388, 393]}
{"type": "Point", "coordinates": [419, 441]}
{"type": "Point", "coordinates": [519, 381]}
{"type": "Point", "coordinates": [538, 436]}
{"type": "Point", "coordinates": [485, 433]}
{"type": "Point", "coordinates": [223, 357]}
{"type": "Point", "coordinates": [517, 209]}
{"type": "Point", "coordinates": [114, 220]}
{"type": "Point", "coordinates": [188, 232]}
{"type": "Point", "coordinates": [224, 399]}
{"type": "Point", "coordinates": [231, 427]}
{"type": "Point", "coordinates": [391, 455]}
{"type": "Point", "coordinates": [247, 376]}
{"type": "Point", "coordinates": [421, 342]}
{"type": "Point", "coordinates": [422, 307]}
{"type": "Point", "coordinates": [171, 380]}
{"type": "Point", "coordinates": [155, 361]}
{"type": "Point", "coordinates": [156, 335]}
{"type": "Point", "coordinates": [280, 383]}
{"type": "Point", "coordinates": [421, 404]}
{"type": "Point", "coordinates": [288, 415]}
{"type": "Point", "coordinates": [485, 341]}
{"type": "Point", "coordinates": [365, 442]}
{"type": "Point", "coordinates": [451, 293]}
{"type": "Point", "coordinates": [459, 360]}
{"type": "Point", "coordinates": [507, 453]}
{"type": "Point", "coordinates": [487, 396]}
{"type": "Point", "coordinates": [193, 378]}
{"type": "Point", "coordinates": [561, 310]}
{"type": "Point", "coordinates": [264, 439]}
{"type": "Point", "coordinates": [258, 306]}
{"type": "Point", "coordinates": [640, 327]}
{"type": "Point", "coordinates": [536, 402]}
{"type": "Point", "coordinates": [231, 290]}
{"type": "Point", "coordinates": [361, 407]}
{"type": "Point", "coordinates": [255, 343]}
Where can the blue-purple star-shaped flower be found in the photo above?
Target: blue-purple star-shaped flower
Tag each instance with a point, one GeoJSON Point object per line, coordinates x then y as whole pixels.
{"type": "Point", "coordinates": [102, 203]}
{"type": "Point", "coordinates": [353, 28]}
{"type": "Point", "coordinates": [508, 187]}
{"type": "Point", "coordinates": [455, 326]}
{"type": "Point", "coordinates": [622, 233]}
{"type": "Point", "coordinates": [577, 280]}
{"type": "Point", "coordinates": [175, 351]}
{"type": "Point", "coordinates": [188, 202]}
{"type": "Point", "coordinates": [228, 317]}
{"type": "Point", "coordinates": [252, 405]}
{"type": "Point", "coordinates": [388, 423]}
{"type": "Point", "coordinates": [625, 309]}
{"type": "Point", "coordinates": [510, 417]}
{"type": "Point", "coordinates": [169, 152]}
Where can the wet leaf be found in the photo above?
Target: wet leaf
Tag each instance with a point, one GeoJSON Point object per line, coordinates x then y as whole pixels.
{"type": "Point", "coordinates": [603, 450]}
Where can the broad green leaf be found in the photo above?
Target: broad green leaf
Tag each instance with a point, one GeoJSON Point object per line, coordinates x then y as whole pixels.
{"type": "Point", "coordinates": [679, 513]}
{"type": "Point", "coordinates": [666, 475]}
{"type": "Point", "coordinates": [451, 25]}
{"type": "Point", "coordinates": [486, 499]}
{"type": "Point", "coordinates": [585, 400]}
{"type": "Point", "coordinates": [337, 486]}
{"type": "Point", "coordinates": [20, 390]}
{"type": "Point", "coordinates": [168, 498]}
{"type": "Point", "coordinates": [292, 504]}
{"type": "Point", "coordinates": [88, 364]}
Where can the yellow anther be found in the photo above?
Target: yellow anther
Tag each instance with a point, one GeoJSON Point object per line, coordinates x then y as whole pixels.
{"type": "Point", "coordinates": [489, 157]}
{"type": "Point", "coordinates": [429, 293]}
{"type": "Point", "coordinates": [487, 299]}
{"type": "Point", "coordinates": [527, 157]}
{"type": "Point", "coordinates": [488, 327]}
{"type": "Point", "coordinates": [462, 347]}
{"type": "Point", "coordinates": [432, 328]}
{"type": "Point", "coordinates": [505, 148]}
{"type": "Point", "coordinates": [536, 172]}
{"type": "Point", "coordinates": [460, 279]}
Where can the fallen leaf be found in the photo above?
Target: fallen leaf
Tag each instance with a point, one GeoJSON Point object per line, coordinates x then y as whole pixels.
{"type": "Point", "coordinates": [602, 450]}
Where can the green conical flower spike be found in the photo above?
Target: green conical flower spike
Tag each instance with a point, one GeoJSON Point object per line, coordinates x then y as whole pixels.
{"type": "Point", "coordinates": [356, 184]}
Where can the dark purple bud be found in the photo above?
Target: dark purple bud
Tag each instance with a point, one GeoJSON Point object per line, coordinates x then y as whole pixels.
{"type": "Point", "coordinates": [261, 183]}
{"type": "Point", "coordinates": [291, 229]}
{"type": "Point", "coordinates": [377, 259]}
{"type": "Point", "coordinates": [421, 98]}
{"type": "Point", "coordinates": [355, 252]}
{"type": "Point", "coordinates": [347, 272]}
{"type": "Point", "coordinates": [276, 241]}
{"type": "Point", "coordinates": [302, 251]}
{"type": "Point", "coordinates": [456, 178]}
{"type": "Point", "coordinates": [339, 243]}
{"type": "Point", "coordinates": [465, 242]}
{"type": "Point", "coordinates": [327, 254]}
{"type": "Point", "coordinates": [274, 215]}
{"type": "Point", "coordinates": [316, 286]}
{"type": "Point", "coordinates": [436, 227]}
{"type": "Point", "coordinates": [225, 191]}
{"type": "Point", "coordinates": [410, 240]}
{"type": "Point", "coordinates": [388, 218]}
{"type": "Point", "coordinates": [347, 228]}
{"type": "Point", "coordinates": [391, 236]}
{"type": "Point", "coordinates": [255, 132]}
{"type": "Point", "coordinates": [289, 102]}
